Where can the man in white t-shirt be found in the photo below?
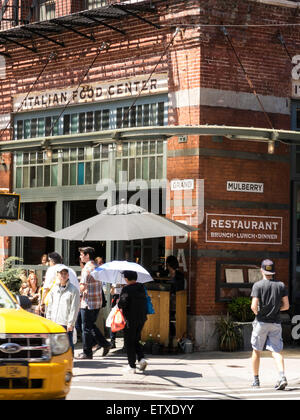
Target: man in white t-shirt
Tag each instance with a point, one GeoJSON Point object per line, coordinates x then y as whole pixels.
{"type": "Point", "coordinates": [55, 262]}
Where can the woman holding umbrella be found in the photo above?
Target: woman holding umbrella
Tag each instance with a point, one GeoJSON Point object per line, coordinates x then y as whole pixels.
{"type": "Point", "coordinates": [134, 306]}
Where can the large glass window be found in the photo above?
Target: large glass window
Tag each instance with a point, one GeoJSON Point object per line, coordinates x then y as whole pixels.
{"type": "Point", "coordinates": [36, 169]}
{"type": "Point", "coordinates": [47, 9]}
{"type": "Point", "coordinates": [91, 119]}
{"type": "Point", "coordinates": [141, 160]}
{"type": "Point", "coordinates": [88, 165]}
{"type": "Point", "coordinates": [93, 4]}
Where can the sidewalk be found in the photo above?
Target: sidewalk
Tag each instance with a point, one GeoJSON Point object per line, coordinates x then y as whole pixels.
{"type": "Point", "coordinates": [199, 369]}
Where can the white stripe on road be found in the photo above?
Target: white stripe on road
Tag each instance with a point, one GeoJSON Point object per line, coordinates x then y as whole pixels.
{"type": "Point", "coordinates": [201, 394]}
{"type": "Point", "coordinates": [119, 391]}
{"type": "Point", "coordinates": [213, 389]}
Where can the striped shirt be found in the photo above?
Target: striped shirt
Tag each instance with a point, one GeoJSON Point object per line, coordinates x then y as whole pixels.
{"type": "Point", "coordinates": [92, 296]}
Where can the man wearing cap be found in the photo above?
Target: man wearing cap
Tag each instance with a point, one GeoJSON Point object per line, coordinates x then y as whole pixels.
{"type": "Point", "coordinates": [64, 302]}
{"type": "Point", "coordinates": [55, 263]}
{"type": "Point", "coordinates": [269, 297]}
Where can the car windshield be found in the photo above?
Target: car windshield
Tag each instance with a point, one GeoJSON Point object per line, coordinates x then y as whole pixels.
{"type": "Point", "coordinates": [6, 302]}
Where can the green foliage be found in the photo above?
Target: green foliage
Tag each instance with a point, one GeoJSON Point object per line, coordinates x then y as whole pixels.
{"type": "Point", "coordinates": [10, 275]}
{"type": "Point", "coordinates": [230, 337]}
{"type": "Point", "coordinates": [240, 309]}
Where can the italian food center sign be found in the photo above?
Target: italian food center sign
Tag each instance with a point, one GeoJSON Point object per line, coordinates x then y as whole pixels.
{"type": "Point", "coordinates": [243, 229]}
{"type": "Point", "coordinates": [97, 92]}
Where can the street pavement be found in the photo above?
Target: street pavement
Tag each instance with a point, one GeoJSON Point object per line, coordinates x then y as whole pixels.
{"type": "Point", "coordinates": [191, 376]}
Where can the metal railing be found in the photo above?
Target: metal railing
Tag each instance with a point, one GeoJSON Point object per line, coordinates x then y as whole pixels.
{"type": "Point", "coordinates": [18, 12]}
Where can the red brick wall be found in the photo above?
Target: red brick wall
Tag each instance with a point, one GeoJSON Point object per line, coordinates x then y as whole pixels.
{"type": "Point", "coordinates": [269, 69]}
{"type": "Point", "coordinates": [200, 57]}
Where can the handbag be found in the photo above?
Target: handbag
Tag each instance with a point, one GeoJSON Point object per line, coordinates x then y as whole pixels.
{"type": "Point", "coordinates": [110, 316]}
{"type": "Point", "coordinates": [118, 321]}
{"type": "Point", "coordinates": [150, 308]}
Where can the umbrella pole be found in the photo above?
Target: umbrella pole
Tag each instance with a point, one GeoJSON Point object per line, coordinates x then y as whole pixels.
{"type": "Point", "coordinates": [86, 234]}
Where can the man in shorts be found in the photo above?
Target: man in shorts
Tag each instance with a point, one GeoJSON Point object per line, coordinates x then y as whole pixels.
{"type": "Point", "coordinates": [269, 297]}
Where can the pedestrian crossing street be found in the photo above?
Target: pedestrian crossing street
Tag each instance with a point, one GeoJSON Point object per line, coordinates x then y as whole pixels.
{"type": "Point", "coordinates": [208, 393]}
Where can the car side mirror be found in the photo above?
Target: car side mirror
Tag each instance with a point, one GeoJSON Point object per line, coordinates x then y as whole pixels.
{"type": "Point", "coordinates": [24, 301]}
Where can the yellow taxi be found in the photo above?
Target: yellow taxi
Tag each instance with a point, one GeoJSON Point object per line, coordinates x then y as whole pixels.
{"type": "Point", "coordinates": [35, 356]}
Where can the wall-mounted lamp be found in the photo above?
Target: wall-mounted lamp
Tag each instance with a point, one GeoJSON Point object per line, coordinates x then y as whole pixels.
{"type": "Point", "coordinates": [119, 146]}
{"type": "Point", "coordinates": [48, 154]}
{"type": "Point", "coordinates": [271, 147]}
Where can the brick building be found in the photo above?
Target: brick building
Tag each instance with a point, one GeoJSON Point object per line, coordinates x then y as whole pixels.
{"type": "Point", "coordinates": [202, 92]}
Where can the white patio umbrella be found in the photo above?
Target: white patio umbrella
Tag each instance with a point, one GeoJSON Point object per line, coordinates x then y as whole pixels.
{"type": "Point", "coordinates": [111, 272]}
{"type": "Point", "coordinates": [123, 222]}
{"type": "Point", "coordinates": [23, 228]}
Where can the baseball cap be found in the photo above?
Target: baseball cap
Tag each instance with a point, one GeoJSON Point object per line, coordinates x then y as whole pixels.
{"type": "Point", "coordinates": [268, 267]}
{"type": "Point", "coordinates": [62, 267]}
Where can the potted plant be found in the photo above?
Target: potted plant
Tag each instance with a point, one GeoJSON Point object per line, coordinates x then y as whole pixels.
{"type": "Point", "coordinates": [11, 275]}
{"type": "Point", "coordinates": [240, 310]}
{"type": "Point", "coordinates": [229, 334]}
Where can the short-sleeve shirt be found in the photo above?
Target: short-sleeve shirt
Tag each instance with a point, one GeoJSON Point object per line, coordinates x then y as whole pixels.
{"type": "Point", "coordinates": [270, 294]}
{"type": "Point", "coordinates": [92, 297]}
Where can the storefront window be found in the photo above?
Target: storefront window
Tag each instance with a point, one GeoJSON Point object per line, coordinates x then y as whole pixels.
{"type": "Point", "coordinates": [235, 279]}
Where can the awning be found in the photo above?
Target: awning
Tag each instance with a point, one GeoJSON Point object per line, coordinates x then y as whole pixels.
{"type": "Point", "coordinates": [79, 23]}
{"type": "Point", "coordinates": [147, 133]}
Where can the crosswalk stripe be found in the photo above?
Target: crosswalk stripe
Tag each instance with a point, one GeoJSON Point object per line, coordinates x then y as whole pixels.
{"type": "Point", "coordinates": [200, 394]}
{"type": "Point", "coordinates": [119, 391]}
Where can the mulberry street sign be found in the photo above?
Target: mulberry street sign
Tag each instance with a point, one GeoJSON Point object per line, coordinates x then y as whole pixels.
{"type": "Point", "coordinates": [244, 229]}
{"type": "Point", "coordinates": [253, 187]}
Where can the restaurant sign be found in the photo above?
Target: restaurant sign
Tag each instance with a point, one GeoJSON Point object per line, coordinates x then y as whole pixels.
{"type": "Point", "coordinates": [95, 92]}
{"type": "Point", "coordinates": [244, 229]}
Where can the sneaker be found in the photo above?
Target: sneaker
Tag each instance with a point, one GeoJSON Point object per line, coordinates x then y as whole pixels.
{"type": "Point", "coordinates": [96, 348]}
{"type": "Point", "coordinates": [142, 364]}
{"type": "Point", "coordinates": [128, 370]}
{"type": "Point", "coordinates": [256, 383]}
{"type": "Point", "coordinates": [106, 350]}
{"type": "Point", "coordinates": [281, 384]}
{"type": "Point", "coordinates": [83, 356]}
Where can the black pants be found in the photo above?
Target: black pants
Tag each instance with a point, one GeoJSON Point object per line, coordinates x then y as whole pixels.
{"type": "Point", "coordinates": [132, 337]}
{"type": "Point", "coordinates": [90, 332]}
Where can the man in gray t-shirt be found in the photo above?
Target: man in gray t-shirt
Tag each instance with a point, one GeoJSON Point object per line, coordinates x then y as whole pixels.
{"type": "Point", "coordinates": [269, 297]}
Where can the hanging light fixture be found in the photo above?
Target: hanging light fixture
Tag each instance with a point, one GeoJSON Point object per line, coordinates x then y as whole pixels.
{"type": "Point", "coordinates": [271, 147]}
